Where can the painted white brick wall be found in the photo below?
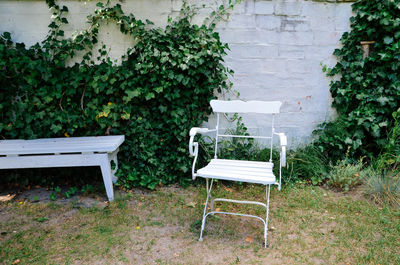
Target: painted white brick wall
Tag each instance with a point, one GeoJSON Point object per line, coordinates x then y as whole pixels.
{"type": "Point", "coordinates": [277, 49]}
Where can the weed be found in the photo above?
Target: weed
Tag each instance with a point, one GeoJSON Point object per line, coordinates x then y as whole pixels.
{"type": "Point", "coordinates": [86, 189]}
{"type": "Point", "coordinates": [53, 196]}
{"type": "Point", "coordinates": [70, 192]}
{"type": "Point", "coordinates": [195, 226]}
{"type": "Point", "coordinates": [41, 219]}
{"type": "Point", "coordinates": [345, 176]}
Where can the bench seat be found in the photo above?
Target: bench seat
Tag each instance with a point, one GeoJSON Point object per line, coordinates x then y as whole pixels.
{"type": "Point", "coordinates": [64, 152]}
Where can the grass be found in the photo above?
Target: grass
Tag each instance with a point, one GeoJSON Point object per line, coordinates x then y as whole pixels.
{"type": "Point", "coordinates": [383, 187]}
{"type": "Point", "coordinates": [310, 225]}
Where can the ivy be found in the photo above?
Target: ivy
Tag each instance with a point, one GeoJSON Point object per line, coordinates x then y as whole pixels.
{"type": "Point", "coordinates": [365, 91]}
{"type": "Point", "coordinates": [161, 89]}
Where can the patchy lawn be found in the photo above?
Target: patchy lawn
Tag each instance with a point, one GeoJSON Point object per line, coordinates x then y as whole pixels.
{"type": "Point", "coordinates": [308, 225]}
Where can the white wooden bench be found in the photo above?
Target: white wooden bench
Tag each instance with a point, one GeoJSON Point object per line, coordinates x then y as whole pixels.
{"type": "Point", "coordinates": [64, 152]}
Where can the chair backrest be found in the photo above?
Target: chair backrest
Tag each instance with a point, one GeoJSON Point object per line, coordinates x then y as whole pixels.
{"type": "Point", "coordinates": [238, 106]}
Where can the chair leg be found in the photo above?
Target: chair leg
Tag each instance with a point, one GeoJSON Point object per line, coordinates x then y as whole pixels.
{"type": "Point", "coordinates": [267, 192]}
{"type": "Point", "coordinates": [203, 223]}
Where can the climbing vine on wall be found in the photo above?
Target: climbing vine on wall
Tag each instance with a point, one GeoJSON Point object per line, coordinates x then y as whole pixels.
{"type": "Point", "coordinates": [366, 91]}
{"type": "Point", "coordinates": [161, 89]}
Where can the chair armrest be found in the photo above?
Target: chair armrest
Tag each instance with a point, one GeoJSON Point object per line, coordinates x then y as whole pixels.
{"type": "Point", "coordinates": [283, 140]}
{"type": "Point", "coordinates": [194, 146]}
{"type": "Point", "coordinates": [196, 130]}
{"type": "Point", "coordinates": [192, 133]}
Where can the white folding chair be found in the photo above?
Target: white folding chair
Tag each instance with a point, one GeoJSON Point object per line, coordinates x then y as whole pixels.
{"type": "Point", "coordinates": [239, 170]}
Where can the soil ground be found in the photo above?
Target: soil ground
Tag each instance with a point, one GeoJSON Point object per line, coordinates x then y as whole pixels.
{"type": "Point", "coordinates": [308, 225]}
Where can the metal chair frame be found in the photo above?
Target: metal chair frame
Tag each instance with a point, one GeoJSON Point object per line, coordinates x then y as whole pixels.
{"type": "Point", "coordinates": [239, 107]}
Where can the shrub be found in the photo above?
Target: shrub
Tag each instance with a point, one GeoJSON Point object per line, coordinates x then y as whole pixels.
{"type": "Point", "coordinates": [345, 176]}
{"type": "Point", "coordinates": [161, 89]}
{"type": "Point", "coordinates": [367, 90]}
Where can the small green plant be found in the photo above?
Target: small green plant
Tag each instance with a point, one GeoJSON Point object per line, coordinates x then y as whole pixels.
{"type": "Point", "coordinates": [383, 187]}
{"type": "Point", "coordinates": [42, 219]}
{"type": "Point", "coordinates": [53, 196]}
{"type": "Point", "coordinates": [70, 192]}
{"type": "Point", "coordinates": [88, 189]}
{"type": "Point", "coordinates": [345, 176]}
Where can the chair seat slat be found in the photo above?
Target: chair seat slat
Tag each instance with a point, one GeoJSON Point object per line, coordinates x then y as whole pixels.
{"type": "Point", "coordinates": [238, 177]}
{"type": "Point", "coordinates": [236, 170]}
{"type": "Point", "coordinates": [241, 163]}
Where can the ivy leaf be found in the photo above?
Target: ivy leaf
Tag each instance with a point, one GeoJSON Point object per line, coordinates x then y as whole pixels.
{"type": "Point", "coordinates": [383, 124]}
{"type": "Point", "coordinates": [383, 100]}
{"type": "Point", "coordinates": [131, 94]}
{"type": "Point", "coordinates": [348, 141]}
{"type": "Point", "coordinates": [149, 95]}
{"type": "Point", "coordinates": [56, 128]}
{"type": "Point", "coordinates": [388, 40]}
{"type": "Point", "coordinates": [159, 89]}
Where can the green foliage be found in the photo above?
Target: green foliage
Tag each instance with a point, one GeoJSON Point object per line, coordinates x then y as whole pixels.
{"type": "Point", "coordinates": [161, 89]}
{"type": "Point", "coordinates": [345, 176]}
{"type": "Point", "coordinates": [70, 192]}
{"type": "Point", "coordinates": [230, 148]}
{"type": "Point", "coordinates": [367, 90]}
{"type": "Point", "coordinates": [306, 164]}
{"type": "Point", "coordinates": [42, 219]}
{"type": "Point", "coordinates": [86, 189]}
{"type": "Point", "coordinates": [53, 196]}
{"type": "Point", "coordinates": [390, 157]}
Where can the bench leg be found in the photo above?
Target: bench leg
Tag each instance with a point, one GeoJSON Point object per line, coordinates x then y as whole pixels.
{"type": "Point", "coordinates": [107, 177]}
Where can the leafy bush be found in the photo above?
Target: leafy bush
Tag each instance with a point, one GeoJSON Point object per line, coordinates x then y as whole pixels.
{"type": "Point", "coordinates": [345, 176]}
{"type": "Point", "coordinates": [161, 89]}
{"type": "Point", "coordinates": [367, 90]}
{"type": "Point", "coordinates": [383, 187]}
